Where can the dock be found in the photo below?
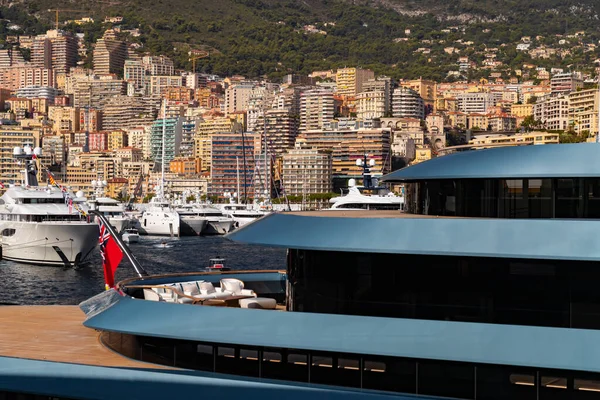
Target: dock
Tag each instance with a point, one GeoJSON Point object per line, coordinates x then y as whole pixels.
{"type": "Point", "coordinates": [56, 333]}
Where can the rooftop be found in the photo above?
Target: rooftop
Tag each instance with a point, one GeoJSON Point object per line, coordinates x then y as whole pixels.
{"type": "Point", "coordinates": [545, 161]}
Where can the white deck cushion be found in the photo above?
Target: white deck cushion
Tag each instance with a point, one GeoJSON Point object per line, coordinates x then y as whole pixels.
{"type": "Point", "coordinates": [259, 302]}
{"type": "Point", "coordinates": [190, 288]}
{"type": "Point", "coordinates": [207, 288]}
{"type": "Point", "coordinates": [234, 286]}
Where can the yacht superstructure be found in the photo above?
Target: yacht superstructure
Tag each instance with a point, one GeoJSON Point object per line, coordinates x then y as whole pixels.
{"type": "Point", "coordinates": [242, 214]}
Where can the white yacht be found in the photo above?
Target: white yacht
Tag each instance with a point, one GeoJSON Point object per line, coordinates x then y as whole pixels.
{"type": "Point", "coordinates": [191, 222]}
{"type": "Point", "coordinates": [38, 226]}
{"type": "Point", "coordinates": [131, 235]}
{"type": "Point", "coordinates": [218, 224]}
{"type": "Point", "coordinates": [242, 214]}
{"type": "Point", "coordinates": [356, 200]}
{"type": "Point", "coordinates": [113, 210]}
{"type": "Point", "coordinates": [159, 218]}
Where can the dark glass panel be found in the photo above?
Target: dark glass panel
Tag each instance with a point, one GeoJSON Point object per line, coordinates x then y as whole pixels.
{"type": "Point", "coordinates": [500, 383]}
{"type": "Point", "coordinates": [593, 198]}
{"type": "Point", "coordinates": [480, 198]}
{"type": "Point", "coordinates": [438, 378]}
{"type": "Point", "coordinates": [569, 198]}
{"type": "Point", "coordinates": [391, 374]}
{"type": "Point", "coordinates": [540, 198]}
{"type": "Point", "coordinates": [157, 350]}
{"type": "Point", "coordinates": [513, 203]}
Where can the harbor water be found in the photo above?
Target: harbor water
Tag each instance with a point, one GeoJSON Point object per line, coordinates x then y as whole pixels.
{"type": "Point", "coordinates": [29, 284]}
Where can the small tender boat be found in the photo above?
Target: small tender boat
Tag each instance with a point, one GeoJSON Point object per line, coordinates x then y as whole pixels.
{"type": "Point", "coordinates": [217, 264]}
{"type": "Point", "coordinates": [131, 235]}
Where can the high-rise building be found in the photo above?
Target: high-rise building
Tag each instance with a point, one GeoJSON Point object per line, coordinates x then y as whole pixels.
{"type": "Point", "coordinates": [425, 88]}
{"type": "Point", "coordinates": [375, 100]}
{"type": "Point", "coordinates": [90, 119]}
{"type": "Point", "coordinates": [139, 138]}
{"type": "Point", "coordinates": [158, 84]}
{"type": "Point", "coordinates": [350, 80]}
{"type": "Point", "coordinates": [117, 139]}
{"type": "Point", "coordinates": [188, 133]}
{"type": "Point", "coordinates": [553, 112]}
{"type": "Point", "coordinates": [41, 52]}
{"type": "Point", "coordinates": [95, 91]}
{"type": "Point", "coordinates": [172, 139]}
{"type": "Point", "coordinates": [307, 171]}
{"type": "Point", "coordinates": [109, 54]}
{"type": "Point", "coordinates": [566, 83]}
{"type": "Point", "coordinates": [237, 97]}
{"type": "Point", "coordinates": [477, 102]}
{"type": "Point", "coordinates": [122, 112]}
{"type": "Point", "coordinates": [10, 138]}
{"type": "Point", "coordinates": [232, 156]}
{"type": "Point", "coordinates": [64, 119]}
{"type": "Point", "coordinates": [281, 131]}
{"type": "Point", "coordinates": [158, 65]}
{"type": "Point", "coordinates": [583, 111]}
{"type": "Point", "coordinates": [349, 145]}
{"type": "Point", "coordinates": [10, 57]}
{"type": "Point", "coordinates": [17, 77]}
{"type": "Point", "coordinates": [134, 73]}
{"type": "Point", "coordinates": [56, 49]}
{"type": "Point", "coordinates": [406, 103]}
{"type": "Point", "coordinates": [316, 107]}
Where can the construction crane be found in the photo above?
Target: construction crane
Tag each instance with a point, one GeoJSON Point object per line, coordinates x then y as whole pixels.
{"type": "Point", "coordinates": [57, 10]}
{"type": "Point", "coordinates": [196, 56]}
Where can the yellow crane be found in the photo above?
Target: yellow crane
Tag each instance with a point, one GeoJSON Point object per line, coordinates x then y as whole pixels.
{"type": "Point", "coordinates": [57, 10]}
{"type": "Point", "coordinates": [196, 56]}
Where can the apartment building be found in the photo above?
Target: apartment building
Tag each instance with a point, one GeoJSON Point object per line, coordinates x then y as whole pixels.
{"type": "Point", "coordinates": [37, 92]}
{"type": "Point", "coordinates": [172, 139]}
{"type": "Point", "coordinates": [63, 119]}
{"type": "Point", "coordinates": [19, 76]}
{"type": "Point", "coordinates": [502, 123]}
{"type": "Point", "coordinates": [425, 88]}
{"type": "Point", "coordinates": [307, 171]}
{"type": "Point", "coordinates": [565, 83]}
{"type": "Point", "coordinates": [237, 97]}
{"type": "Point", "coordinates": [56, 49]}
{"type": "Point", "coordinates": [91, 119]}
{"type": "Point", "coordinates": [553, 112]}
{"type": "Point", "coordinates": [117, 139]}
{"type": "Point", "coordinates": [158, 65]}
{"type": "Point", "coordinates": [139, 138]}
{"type": "Point", "coordinates": [477, 102]}
{"type": "Point", "coordinates": [187, 166]}
{"type": "Point", "coordinates": [109, 54]}
{"type": "Point", "coordinates": [583, 111]}
{"type": "Point", "coordinates": [349, 145]}
{"type": "Point", "coordinates": [96, 91]}
{"type": "Point", "coordinates": [281, 130]}
{"type": "Point", "coordinates": [407, 103]}
{"type": "Point", "coordinates": [11, 137]}
{"type": "Point", "coordinates": [158, 84]}
{"type": "Point", "coordinates": [230, 151]}
{"type": "Point", "coordinates": [316, 107]}
{"type": "Point", "coordinates": [123, 112]}
{"type": "Point", "coordinates": [350, 80]}
{"type": "Point", "coordinates": [97, 141]}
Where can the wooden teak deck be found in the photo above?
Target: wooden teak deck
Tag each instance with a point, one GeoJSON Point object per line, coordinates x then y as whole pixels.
{"type": "Point", "coordinates": [56, 333]}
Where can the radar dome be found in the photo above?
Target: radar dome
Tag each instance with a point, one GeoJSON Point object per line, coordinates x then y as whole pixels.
{"type": "Point", "coordinates": [351, 182]}
{"type": "Point", "coordinates": [79, 193]}
{"type": "Point", "coordinates": [17, 151]}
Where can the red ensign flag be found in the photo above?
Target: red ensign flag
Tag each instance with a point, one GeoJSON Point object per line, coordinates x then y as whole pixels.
{"type": "Point", "coordinates": [111, 255]}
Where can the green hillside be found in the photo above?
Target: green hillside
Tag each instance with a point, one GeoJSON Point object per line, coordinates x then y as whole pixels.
{"type": "Point", "coordinates": [256, 37]}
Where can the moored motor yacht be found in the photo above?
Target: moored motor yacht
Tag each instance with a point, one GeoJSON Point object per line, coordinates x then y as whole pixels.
{"type": "Point", "coordinates": [192, 224]}
{"type": "Point", "coordinates": [44, 225]}
{"type": "Point", "coordinates": [114, 211]}
{"type": "Point", "coordinates": [159, 218]}
{"type": "Point", "coordinates": [218, 224]}
{"type": "Point", "coordinates": [242, 214]}
{"type": "Point", "coordinates": [131, 235]}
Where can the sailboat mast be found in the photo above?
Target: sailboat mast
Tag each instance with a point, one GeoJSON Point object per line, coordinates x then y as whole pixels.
{"type": "Point", "coordinates": [162, 160]}
{"type": "Point", "coordinates": [598, 125]}
{"type": "Point", "coordinates": [237, 164]}
{"type": "Point", "coordinates": [267, 182]}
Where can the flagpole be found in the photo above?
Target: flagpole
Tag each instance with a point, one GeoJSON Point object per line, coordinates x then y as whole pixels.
{"type": "Point", "coordinates": [139, 270]}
